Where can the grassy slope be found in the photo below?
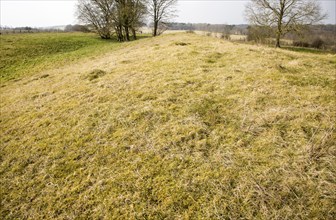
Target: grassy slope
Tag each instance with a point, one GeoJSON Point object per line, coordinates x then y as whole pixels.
{"type": "Point", "coordinates": [181, 126]}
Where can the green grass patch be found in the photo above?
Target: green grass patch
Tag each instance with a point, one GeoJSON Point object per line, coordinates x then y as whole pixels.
{"type": "Point", "coordinates": [308, 50]}
{"type": "Point", "coordinates": [25, 54]}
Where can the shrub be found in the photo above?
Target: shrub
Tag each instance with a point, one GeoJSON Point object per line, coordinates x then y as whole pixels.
{"type": "Point", "coordinates": [333, 49]}
{"type": "Point", "coordinates": [318, 43]}
{"type": "Point", "coordinates": [190, 32]}
{"type": "Point", "coordinates": [225, 36]}
{"type": "Point", "coordinates": [77, 27]}
{"type": "Point", "coordinates": [259, 34]}
{"type": "Point", "coordinates": [300, 44]}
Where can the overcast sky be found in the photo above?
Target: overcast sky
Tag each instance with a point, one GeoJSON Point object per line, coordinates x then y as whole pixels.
{"type": "Point", "coordinates": [42, 13]}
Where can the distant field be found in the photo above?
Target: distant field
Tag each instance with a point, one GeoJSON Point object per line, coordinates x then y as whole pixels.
{"type": "Point", "coordinates": [233, 37]}
{"type": "Point", "coordinates": [180, 126]}
{"type": "Point", "coordinates": [23, 54]}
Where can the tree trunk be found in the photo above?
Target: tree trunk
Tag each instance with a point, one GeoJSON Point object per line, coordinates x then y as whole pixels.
{"type": "Point", "coordinates": [134, 34]}
{"type": "Point", "coordinates": [280, 17]}
{"type": "Point", "coordinates": [119, 33]}
{"type": "Point", "coordinates": [278, 40]}
{"type": "Point", "coordinates": [156, 24]}
{"type": "Point", "coordinates": [127, 34]}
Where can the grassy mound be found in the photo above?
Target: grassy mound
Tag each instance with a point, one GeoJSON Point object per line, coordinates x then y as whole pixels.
{"type": "Point", "coordinates": [204, 130]}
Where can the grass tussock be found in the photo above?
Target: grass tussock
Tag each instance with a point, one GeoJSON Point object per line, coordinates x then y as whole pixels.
{"type": "Point", "coordinates": [252, 137]}
{"type": "Point", "coordinates": [95, 74]}
{"type": "Point", "coordinates": [181, 43]}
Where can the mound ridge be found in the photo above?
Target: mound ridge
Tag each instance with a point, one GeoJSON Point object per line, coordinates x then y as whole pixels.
{"type": "Point", "coordinates": [210, 130]}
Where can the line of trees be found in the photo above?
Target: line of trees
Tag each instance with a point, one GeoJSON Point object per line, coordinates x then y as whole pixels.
{"type": "Point", "coordinates": [124, 17]}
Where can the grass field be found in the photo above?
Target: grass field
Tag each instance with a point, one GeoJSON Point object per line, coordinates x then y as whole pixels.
{"type": "Point", "coordinates": [179, 126]}
{"type": "Point", "coordinates": [26, 54]}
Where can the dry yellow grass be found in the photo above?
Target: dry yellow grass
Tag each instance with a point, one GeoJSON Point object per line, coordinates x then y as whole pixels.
{"type": "Point", "coordinates": [175, 127]}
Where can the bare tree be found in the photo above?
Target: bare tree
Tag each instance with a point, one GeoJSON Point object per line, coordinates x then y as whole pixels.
{"type": "Point", "coordinates": [112, 16]}
{"type": "Point", "coordinates": [138, 12]}
{"type": "Point", "coordinates": [130, 15]}
{"type": "Point", "coordinates": [98, 14]}
{"type": "Point", "coordinates": [160, 11]}
{"type": "Point", "coordinates": [284, 15]}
